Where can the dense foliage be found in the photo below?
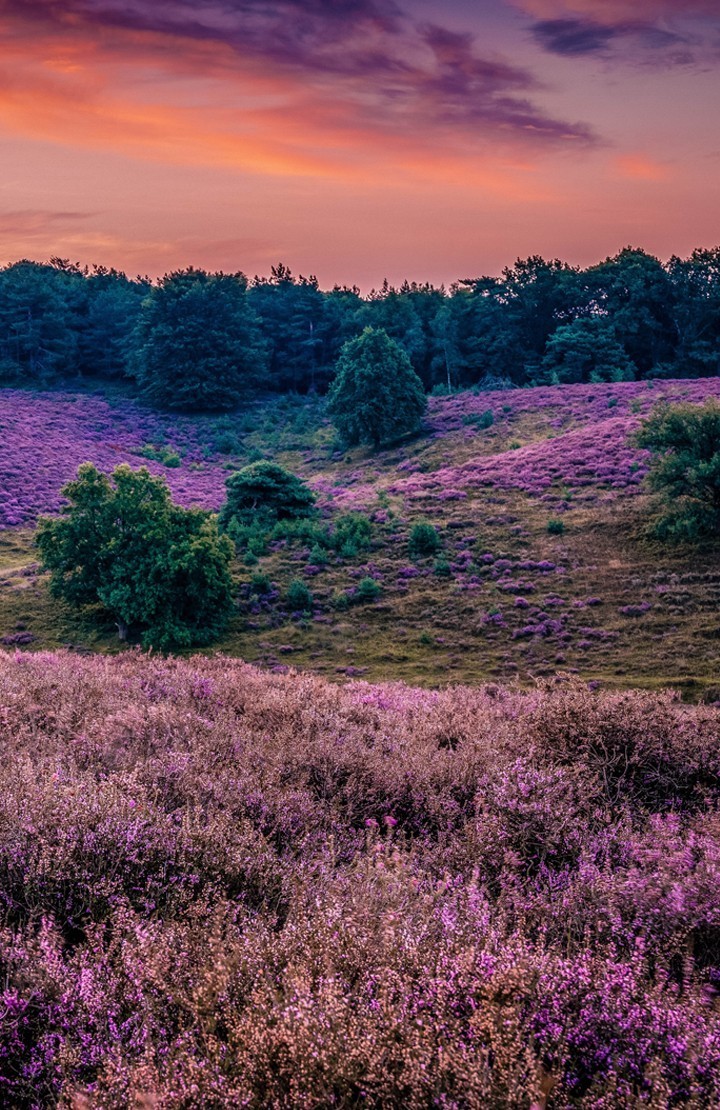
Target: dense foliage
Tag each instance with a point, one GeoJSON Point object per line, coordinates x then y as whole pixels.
{"type": "Point", "coordinates": [376, 395]}
{"type": "Point", "coordinates": [685, 442]}
{"type": "Point", "coordinates": [222, 888]}
{"type": "Point", "coordinates": [158, 569]}
{"type": "Point", "coordinates": [264, 493]}
{"type": "Point", "coordinates": [630, 316]}
{"type": "Point", "coordinates": [198, 342]}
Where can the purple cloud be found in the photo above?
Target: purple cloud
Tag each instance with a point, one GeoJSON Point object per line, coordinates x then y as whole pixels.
{"type": "Point", "coordinates": [396, 73]}
{"type": "Point", "coordinates": [579, 37]}
{"type": "Point", "coordinates": [573, 36]}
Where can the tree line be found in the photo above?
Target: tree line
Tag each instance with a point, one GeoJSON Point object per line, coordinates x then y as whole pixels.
{"type": "Point", "coordinates": [200, 340]}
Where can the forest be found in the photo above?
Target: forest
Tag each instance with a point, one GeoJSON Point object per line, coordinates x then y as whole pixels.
{"type": "Point", "coordinates": [630, 317]}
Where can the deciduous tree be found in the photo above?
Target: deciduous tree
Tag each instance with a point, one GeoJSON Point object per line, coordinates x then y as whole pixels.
{"type": "Point", "coordinates": [376, 395]}
{"type": "Point", "coordinates": [160, 570]}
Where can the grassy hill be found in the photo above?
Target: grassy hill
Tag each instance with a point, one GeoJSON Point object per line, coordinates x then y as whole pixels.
{"type": "Point", "coordinates": [537, 497]}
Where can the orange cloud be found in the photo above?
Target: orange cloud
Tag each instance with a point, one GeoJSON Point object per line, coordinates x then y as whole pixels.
{"type": "Point", "coordinates": [198, 104]}
{"type": "Point", "coordinates": [641, 168]}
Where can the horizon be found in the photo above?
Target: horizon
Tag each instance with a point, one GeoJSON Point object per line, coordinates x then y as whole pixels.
{"type": "Point", "coordinates": [309, 274]}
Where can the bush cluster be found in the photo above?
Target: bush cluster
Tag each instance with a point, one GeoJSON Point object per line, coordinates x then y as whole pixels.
{"type": "Point", "coordinates": [220, 887]}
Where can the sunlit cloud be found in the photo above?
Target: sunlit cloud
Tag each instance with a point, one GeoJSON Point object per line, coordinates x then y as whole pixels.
{"type": "Point", "coordinates": [641, 168]}
{"type": "Point", "coordinates": [373, 74]}
{"type": "Point", "coordinates": [351, 137]}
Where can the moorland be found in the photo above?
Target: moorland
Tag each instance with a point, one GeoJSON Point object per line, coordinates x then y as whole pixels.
{"type": "Point", "coordinates": [433, 819]}
{"type": "Point", "coordinates": [537, 497]}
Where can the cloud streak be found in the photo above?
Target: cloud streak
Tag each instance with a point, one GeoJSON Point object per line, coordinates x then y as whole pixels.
{"type": "Point", "coordinates": [578, 37]}
{"type": "Point", "coordinates": [653, 30]}
{"type": "Point", "coordinates": [385, 72]}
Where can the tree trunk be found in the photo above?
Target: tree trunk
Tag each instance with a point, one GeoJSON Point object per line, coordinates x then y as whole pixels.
{"type": "Point", "coordinates": [122, 630]}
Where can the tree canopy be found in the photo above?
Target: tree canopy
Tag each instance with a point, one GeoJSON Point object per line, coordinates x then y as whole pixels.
{"type": "Point", "coordinates": [376, 395]}
{"type": "Point", "coordinates": [199, 340]}
{"type": "Point", "coordinates": [199, 343]}
{"type": "Point", "coordinates": [159, 570]}
{"type": "Point", "coordinates": [685, 471]}
{"type": "Point", "coordinates": [585, 351]}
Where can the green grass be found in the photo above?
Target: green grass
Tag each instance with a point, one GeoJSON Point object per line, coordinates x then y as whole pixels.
{"type": "Point", "coordinates": [432, 633]}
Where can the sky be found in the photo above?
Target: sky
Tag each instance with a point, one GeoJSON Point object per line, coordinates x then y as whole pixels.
{"type": "Point", "coordinates": [356, 140]}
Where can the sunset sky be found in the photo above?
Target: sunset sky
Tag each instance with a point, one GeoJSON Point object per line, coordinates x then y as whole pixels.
{"type": "Point", "coordinates": [357, 139]}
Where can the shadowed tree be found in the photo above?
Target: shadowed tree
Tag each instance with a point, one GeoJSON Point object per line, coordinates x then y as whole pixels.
{"type": "Point", "coordinates": [263, 493]}
{"type": "Point", "coordinates": [199, 345]}
{"type": "Point", "coordinates": [685, 470]}
{"type": "Point", "coordinates": [376, 395]}
{"type": "Point", "coordinates": [585, 351]}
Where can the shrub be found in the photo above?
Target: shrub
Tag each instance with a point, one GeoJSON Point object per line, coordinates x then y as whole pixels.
{"type": "Point", "coordinates": [249, 539]}
{"type": "Point", "coordinates": [479, 419]}
{"type": "Point", "coordinates": [298, 597]}
{"type": "Point", "coordinates": [555, 527]}
{"type": "Point", "coordinates": [351, 534]}
{"type": "Point", "coordinates": [227, 443]}
{"type": "Point", "coordinates": [308, 531]}
{"type": "Point", "coordinates": [368, 590]}
{"type": "Point", "coordinates": [224, 887]}
{"type": "Point", "coordinates": [318, 556]}
{"type": "Point", "coordinates": [262, 494]}
{"type": "Point", "coordinates": [164, 455]}
{"type": "Point", "coordinates": [424, 540]}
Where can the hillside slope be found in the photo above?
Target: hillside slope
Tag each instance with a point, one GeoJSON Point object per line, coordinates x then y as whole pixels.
{"type": "Point", "coordinates": [504, 598]}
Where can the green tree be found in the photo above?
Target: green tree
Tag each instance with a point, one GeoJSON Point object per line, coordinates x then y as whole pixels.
{"type": "Point", "coordinates": [263, 493]}
{"type": "Point", "coordinates": [634, 292]}
{"type": "Point", "coordinates": [685, 470]}
{"type": "Point", "coordinates": [696, 312]}
{"type": "Point", "coordinates": [159, 570]}
{"type": "Point", "coordinates": [198, 342]}
{"type": "Point", "coordinates": [41, 308]}
{"type": "Point", "coordinates": [585, 351]}
{"type": "Point", "coordinates": [376, 395]}
{"type": "Point", "coordinates": [114, 303]}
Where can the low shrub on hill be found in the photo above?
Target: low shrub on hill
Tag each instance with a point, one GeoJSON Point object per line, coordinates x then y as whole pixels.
{"type": "Point", "coordinates": [221, 887]}
{"type": "Point", "coordinates": [264, 493]}
{"type": "Point", "coordinates": [424, 540]}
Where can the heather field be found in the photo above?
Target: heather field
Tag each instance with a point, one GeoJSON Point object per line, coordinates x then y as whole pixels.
{"type": "Point", "coordinates": [222, 887]}
{"type": "Point", "coordinates": [537, 496]}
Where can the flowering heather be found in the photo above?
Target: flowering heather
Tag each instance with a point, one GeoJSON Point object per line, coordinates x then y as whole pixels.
{"type": "Point", "coordinates": [588, 448]}
{"type": "Point", "coordinates": [44, 437]}
{"type": "Point", "coordinates": [224, 888]}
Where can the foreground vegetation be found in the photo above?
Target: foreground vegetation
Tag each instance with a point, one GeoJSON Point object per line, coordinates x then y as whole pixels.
{"type": "Point", "coordinates": [220, 887]}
